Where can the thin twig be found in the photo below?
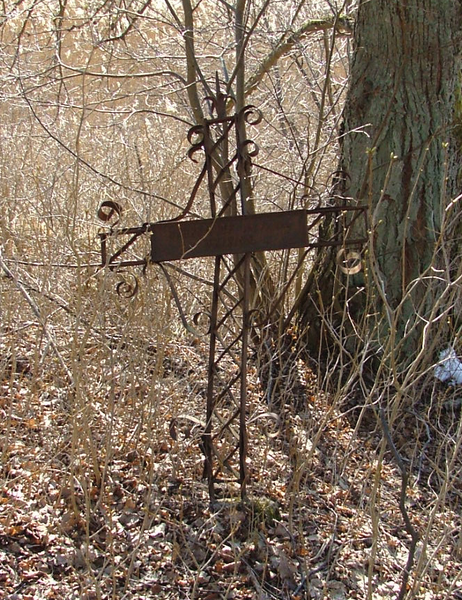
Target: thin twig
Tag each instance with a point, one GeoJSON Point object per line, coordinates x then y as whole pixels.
{"type": "Point", "coordinates": [402, 505]}
{"type": "Point", "coordinates": [36, 310]}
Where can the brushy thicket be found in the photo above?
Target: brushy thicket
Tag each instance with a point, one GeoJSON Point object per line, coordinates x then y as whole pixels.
{"type": "Point", "coordinates": [97, 500]}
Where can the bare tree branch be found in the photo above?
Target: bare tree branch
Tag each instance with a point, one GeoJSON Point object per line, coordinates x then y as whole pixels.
{"type": "Point", "coordinates": [342, 26]}
{"type": "Point", "coordinates": [191, 63]}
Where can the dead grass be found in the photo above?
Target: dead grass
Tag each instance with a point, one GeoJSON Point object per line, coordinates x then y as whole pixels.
{"type": "Point", "coordinates": [98, 501]}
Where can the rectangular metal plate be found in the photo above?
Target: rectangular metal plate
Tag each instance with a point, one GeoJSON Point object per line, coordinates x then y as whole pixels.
{"type": "Point", "coordinates": [228, 235]}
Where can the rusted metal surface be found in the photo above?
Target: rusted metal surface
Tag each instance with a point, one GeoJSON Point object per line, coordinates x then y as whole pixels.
{"type": "Point", "coordinates": [231, 240]}
{"type": "Point", "coordinates": [112, 257]}
{"type": "Point", "coordinates": [175, 240]}
{"type": "Point", "coordinates": [228, 235]}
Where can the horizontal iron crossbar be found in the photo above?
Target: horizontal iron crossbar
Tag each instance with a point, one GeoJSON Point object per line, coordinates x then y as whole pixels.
{"type": "Point", "coordinates": [175, 240]}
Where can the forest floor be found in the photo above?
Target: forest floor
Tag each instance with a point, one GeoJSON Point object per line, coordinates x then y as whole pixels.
{"type": "Point", "coordinates": [98, 501]}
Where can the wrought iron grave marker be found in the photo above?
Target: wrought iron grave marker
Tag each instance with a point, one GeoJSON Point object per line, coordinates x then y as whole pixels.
{"type": "Point", "coordinates": [231, 236]}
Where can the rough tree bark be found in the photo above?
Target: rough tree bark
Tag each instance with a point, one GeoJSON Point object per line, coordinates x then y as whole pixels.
{"type": "Point", "coordinates": [399, 154]}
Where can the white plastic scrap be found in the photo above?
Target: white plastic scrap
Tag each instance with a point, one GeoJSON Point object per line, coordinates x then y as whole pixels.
{"type": "Point", "coordinates": [449, 368]}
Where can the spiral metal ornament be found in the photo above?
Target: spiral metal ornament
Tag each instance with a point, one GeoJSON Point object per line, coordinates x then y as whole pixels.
{"type": "Point", "coordinates": [128, 286]}
{"type": "Point", "coordinates": [196, 136]}
{"type": "Point", "coordinates": [110, 210]}
{"type": "Point", "coordinates": [251, 148]}
{"type": "Point", "coordinates": [198, 320]}
{"type": "Point", "coordinates": [349, 261]}
{"type": "Point", "coordinates": [248, 150]}
{"type": "Point", "coordinates": [251, 114]}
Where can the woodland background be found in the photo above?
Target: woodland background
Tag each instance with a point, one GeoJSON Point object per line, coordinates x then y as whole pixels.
{"type": "Point", "coordinates": [358, 495]}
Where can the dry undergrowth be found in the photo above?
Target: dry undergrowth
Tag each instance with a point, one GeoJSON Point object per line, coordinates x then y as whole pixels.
{"type": "Point", "coordinates": [98, 501]}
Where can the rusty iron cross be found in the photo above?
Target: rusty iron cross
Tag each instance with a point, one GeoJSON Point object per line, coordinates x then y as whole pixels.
{"type": "Point", "coordinates": [230, 235]}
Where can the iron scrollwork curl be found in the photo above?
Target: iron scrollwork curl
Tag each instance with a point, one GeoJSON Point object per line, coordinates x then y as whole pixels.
{"type": "Point", "coordinates": [251, 114]}
{"type": "Point", "coordinates": [109, 210]}
{"type": "Point", "coordinates": [128, 286]}
{"type": "Point", "coordinates": [198, 322]}
{"type": "Point", "coordinates": [196, 136]}
{"type": "Point", "coordinates": [349, 261]}
{"type": "Point", "coordinates": [248, 150]}
{"type": "Point", "coordinates": [251, 148]}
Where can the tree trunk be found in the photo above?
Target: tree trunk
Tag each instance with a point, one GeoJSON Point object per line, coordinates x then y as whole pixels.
{"type": "Point", "coordinates": [399, 155]}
